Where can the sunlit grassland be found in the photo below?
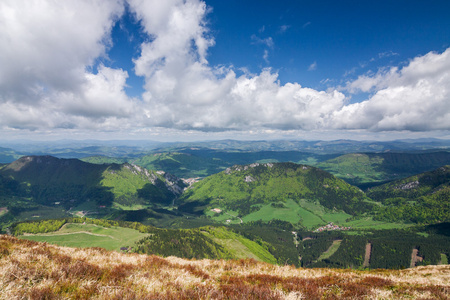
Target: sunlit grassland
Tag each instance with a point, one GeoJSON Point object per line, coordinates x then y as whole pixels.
{"type": "Point", "coordinates": [333, 248]}
{"type": "Point", "coordinates": [309, 214]}
{"type": "Point", "coordinates": [123, 182]}
{"type": "Point", "coordinates": [90, 235]}
{"type": "Point", "coordinates": [239, 246]}
{"type": "Point", "coordinates": [224, 216]}
{"type": "Point", "coordinates": [369, 223]}
{"type": "Point", "coordinates": [128, 207]}
{"type": "Point", "coordinates": [291, 212]}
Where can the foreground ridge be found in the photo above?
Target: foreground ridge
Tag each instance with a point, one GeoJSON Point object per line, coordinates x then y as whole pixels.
{"type": "Point", "coordinates": [42, 271]}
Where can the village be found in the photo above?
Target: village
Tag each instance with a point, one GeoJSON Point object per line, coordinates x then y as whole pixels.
{"type": "Point", "coordinates": [330, 226]}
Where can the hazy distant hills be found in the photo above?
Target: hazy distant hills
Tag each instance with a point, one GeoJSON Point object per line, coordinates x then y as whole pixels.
{"type": "Point", "coordinates": [12, 150]}
{"type": "Point", "coordinates": [192, 162]}
{"type": "Point", "coordinates": [322, 147]}
{"type": "Point", "coordinates": [370, 169]}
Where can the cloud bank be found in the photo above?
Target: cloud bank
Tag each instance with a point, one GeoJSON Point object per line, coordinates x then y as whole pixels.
{"type": "Point", "coordinates": [48, 50]}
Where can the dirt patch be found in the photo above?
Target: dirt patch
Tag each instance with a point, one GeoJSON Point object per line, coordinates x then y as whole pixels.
{"type": "Point", "coordinates": [3, 211]}
{"type": "Point", "coordinates": [415, 258]}
{"type": "Point", "coordinates": [367, 255]}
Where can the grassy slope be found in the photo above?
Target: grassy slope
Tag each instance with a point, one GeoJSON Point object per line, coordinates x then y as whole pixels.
{"type": "Point", "coordinates": [301, 192]}
{"type": "Point", "coordinates": [204, 242]}
{"type": "Point", "coordinates": [239, 246]}
{"type": "Point", "coordinates": [42, 271]}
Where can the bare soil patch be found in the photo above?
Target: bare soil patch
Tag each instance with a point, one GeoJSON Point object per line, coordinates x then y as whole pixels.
{"type": "Point", "coordinates": [367, 255]}
{"type": "Point", "coordinates": [415, 258]}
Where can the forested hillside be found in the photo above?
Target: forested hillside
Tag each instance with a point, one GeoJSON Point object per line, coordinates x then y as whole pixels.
{"type": "Point", "coordinates": [246, 188]}
{"type": "Point", "coordinates": [48, 187]}
{"type": "Point", "coordinates": [366, 170]}
{"type": "Point", "coordinates": [423, 198]}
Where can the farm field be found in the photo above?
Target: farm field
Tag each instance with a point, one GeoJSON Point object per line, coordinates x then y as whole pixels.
{"type": "Point", "coordinates": [89, 235]}
{"type": "Point", "coordinates": [369, 223]}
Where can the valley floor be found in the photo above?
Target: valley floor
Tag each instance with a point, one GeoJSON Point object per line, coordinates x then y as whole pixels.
{"type": "Point", "coordinates": [35, 270]}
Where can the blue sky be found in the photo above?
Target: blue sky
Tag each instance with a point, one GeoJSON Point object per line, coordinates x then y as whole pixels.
{"type": "Point", "coordinates": [190, 70]}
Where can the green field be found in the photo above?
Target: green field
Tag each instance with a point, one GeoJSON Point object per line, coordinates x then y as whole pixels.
{"type": "Point", "coordinates": [89, 235]}
{"type": "Point", "coordinates": [333, 248]}
{"type": "Point", "coordinates": [369, 223]}
{"type": "Point", "coordinates": [43, 212]}
{"type": "Point", "coordinates": [309, 214]}
{"type": "Point", "coordinates": [226, 216]}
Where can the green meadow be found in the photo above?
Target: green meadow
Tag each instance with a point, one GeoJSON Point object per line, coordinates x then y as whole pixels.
{"type": "Point", "coordinates": [89, 235]}
{"type": "Point", "coordinates": [309, 214]}
{"type": "Point", "coordinates": [369, 223]}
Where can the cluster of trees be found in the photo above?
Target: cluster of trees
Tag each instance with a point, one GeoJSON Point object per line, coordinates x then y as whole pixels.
{"type": "Point", "coordinates": [38, 227]}
{"type": "Point", "coordinates": [186, 243]}
{"type": "Point", "coordinates": [276, 234]}
{"type": "Point", "coordinates": [390, 249]}
{"type": "Point", "coordinates": [433, 208]}
{"type": "Point", "coordinates": [312, 245]}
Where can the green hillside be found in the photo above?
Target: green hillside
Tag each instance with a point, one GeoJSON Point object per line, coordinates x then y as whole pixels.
{"type": "Point", "coordinates": [205, 242]}
{"type": "Point", "coordinates": [98, 159]}
{"type": "Point", "coordinates": [423, 198]}
{"type": "Point", "coordinates": [370, 169]}
{"type": "Point", "coordinates": [243, 191]}
{"type": "Point", "coordinates": [182, 165]}
{"type": "Point", "coordinates": [48, 187]}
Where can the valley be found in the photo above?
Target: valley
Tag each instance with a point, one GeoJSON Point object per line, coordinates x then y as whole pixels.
{"type": "Point", "coordinates": [280, 206]}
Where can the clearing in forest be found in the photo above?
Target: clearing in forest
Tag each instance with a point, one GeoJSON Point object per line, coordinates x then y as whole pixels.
{"type": "Point", "coordinates": [330, 251]}
{"type": "Point", "coordinates": [89, 235]}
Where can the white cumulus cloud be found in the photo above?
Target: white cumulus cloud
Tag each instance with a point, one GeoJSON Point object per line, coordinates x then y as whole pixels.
{"type": "Point", "coordinates": [415, 97]}
{"type": "Point", "coordinates": [46, 51]}
{"type": "Point", "coordinates": [49, 48]}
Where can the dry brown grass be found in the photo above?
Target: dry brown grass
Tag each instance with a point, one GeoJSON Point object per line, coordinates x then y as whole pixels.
{"type": "Point", "coordinates": [31, 270]}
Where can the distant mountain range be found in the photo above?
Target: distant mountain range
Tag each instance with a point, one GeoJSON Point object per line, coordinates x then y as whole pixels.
{"type": "Point", "coordinates": [12, 150]}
